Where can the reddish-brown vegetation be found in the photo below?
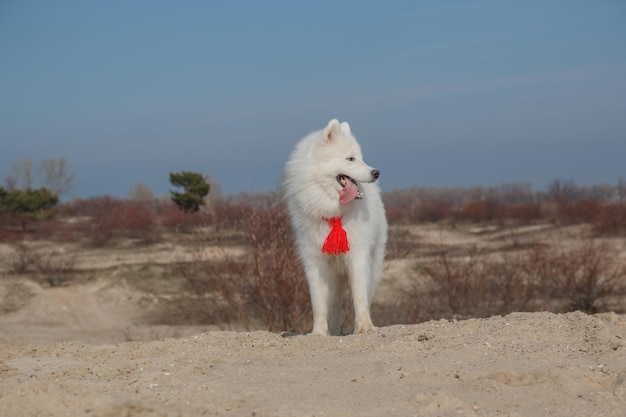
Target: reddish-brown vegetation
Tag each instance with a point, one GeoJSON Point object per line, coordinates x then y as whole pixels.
{"type": "Point", "coordinates": [543, 276]}
{"type": "Point", "coordinates": [106, 217]}
{"type": "Point", "coordinates": [265, 284]}
{"type": "Point", "coordinates": [254, 277]}
{"type": "Point", "coordinates": [564, 203]}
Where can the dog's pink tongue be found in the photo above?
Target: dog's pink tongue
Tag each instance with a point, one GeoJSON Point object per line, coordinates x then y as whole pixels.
{"type": "Point", "coordinates": [348, 193]}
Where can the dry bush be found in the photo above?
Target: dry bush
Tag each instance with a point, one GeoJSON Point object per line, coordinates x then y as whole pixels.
{"type": "Point", "coordinates": [556, 277]}
{"type": "Point", "coordinates": [400, 206]}
{"type": "Point", "coordinates": [395, 215]}
{"type": "Point", "coordinates": [234, 216]}
{"type": "Point", "coordinates": [131, 219]}
{"type": "Point", "coordinates": [56, 229]}
{"type": "Point", "coordinates": [433, 210]}
{"type": "Point", "coordinates": [413, 206]}
{"type": "Point", "coordinates": [217, 288]}
{"type": "Point", "coordinates": [518, 285]}
{"type": "Point", "coordinates": [401, 243]}
{"type": "Point", "coordinates": [98, 210]}
{"type": "Point", "coordinates": [480, 211]}
{"type": "Point", "coordinates": [266, 285]}
{"type": "Point", "coordinates": [611, 220]}
{"type": "Point", "coordinates": [22, 259]}
{"type": "Point", "coordinates": [458, 286]}
{"type": "Point", "coordinates": [111, 217]}
{"type": "Point", "coordinates": [585, 273]}
{"type": "Point", "coordinates": [579, 211]}
{"type": "Point", "coordinates": [278, 284]}
{"type": "Point", "coordinates": [9, 234]}
{"type": "Point", "coordinates": [450, 282]}
{"type": "Point", "coordinates": [568, 203]}
{"type": "Point", "coordinates": [522, 212]}
{"type": "Point", "coordinates": [173, 218]}
{"type": "Point", "coordinates": [53, 268]}
{"type": "Point", "coordinates": [136, 219]}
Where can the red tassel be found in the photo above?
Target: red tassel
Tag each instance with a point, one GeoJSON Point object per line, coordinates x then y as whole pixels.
{"type": "Point", "coordinates": [337, 241]}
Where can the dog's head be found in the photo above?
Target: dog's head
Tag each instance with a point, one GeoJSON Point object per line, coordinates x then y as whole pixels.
{"type": "Point", "coordinates": [341, 158]}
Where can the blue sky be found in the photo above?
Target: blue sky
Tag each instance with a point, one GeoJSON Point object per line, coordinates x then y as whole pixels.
{"type": "Point", "coordinates": [439, 93]}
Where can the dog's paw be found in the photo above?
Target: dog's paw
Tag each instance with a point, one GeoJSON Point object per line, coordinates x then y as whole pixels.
{"type": "Point", "coordinates": [319, 332]}
{"type": "Point", "coordinates": [365, 328]}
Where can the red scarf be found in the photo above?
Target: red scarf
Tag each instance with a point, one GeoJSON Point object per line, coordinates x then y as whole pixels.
{"type": "Point", "coordinates": [337, 241]}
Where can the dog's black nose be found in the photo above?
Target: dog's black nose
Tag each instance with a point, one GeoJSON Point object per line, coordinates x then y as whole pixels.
{"type": "Point", "coordinates": [375, 173]}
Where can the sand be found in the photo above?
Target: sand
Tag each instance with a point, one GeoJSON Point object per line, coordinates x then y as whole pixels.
{"type": "Point", "coordinates": [99, 346]}
{"type": "Point", "coordinates": [523, 364]}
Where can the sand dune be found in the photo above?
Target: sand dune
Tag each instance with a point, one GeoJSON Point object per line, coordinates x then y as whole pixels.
{"type": "Point", "coordinates": [99, 346]}
{"type": "Point", "coordinates": [523, 364]}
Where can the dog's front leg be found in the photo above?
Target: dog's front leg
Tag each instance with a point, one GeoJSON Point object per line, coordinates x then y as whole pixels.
{"type": "Point", "coordinates": [360, 286]}
{"type": "Point", "coordinates": [321, 289]}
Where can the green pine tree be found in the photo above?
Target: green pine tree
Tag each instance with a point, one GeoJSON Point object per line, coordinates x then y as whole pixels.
{"type": "Point", "coordinates": [195, 188]}
{"type": "Point", "coordinates": [25, 205]}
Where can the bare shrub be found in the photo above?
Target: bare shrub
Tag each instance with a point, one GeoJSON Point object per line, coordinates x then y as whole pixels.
{"type": "Point", "coordinates": [22, 260]}
{"type": "Point", "coordinates": [222, 216]}
{"type": "Point", "coordinates": [111, 217]}
{"type": "Point", "coordinates": [400, 206]}
{"type": "Point", "coordinates": [586, 273]}
{"type": "Point", "coordinates": [98, 210]}
{"type": "Point", "coordinates": [480, 211]}
{"type": "Point", "coordinates": [395, 215]}
{"type": "Point", "coordinates": [433, 210]}
{"type": "Point", "coordinates": [10, 234]}
{"type": "Point", "coordinates": [457, 286]}
{"type": "Point", "coordinates": [611, 220]}
{"type": "Point", "coordinates": [563, 202]}
{"type": "Point", "coordinates": [579, 211]}
{"type": "Point", "coordinates": [141, 192]}
{"type": "Point", "coordinates": [53, 174]}
{"type": "Point", "coordinates": [278, 282]}
{"type": "Point", "coordinates": [55, 229]}
{"type": "Point", "coordinates": [581, 275]}
{"type": "Point", "coordinates": [401, 243]}
{"type": "Point", "coordinates": [21, 176]}
{"type": "Point", "coordinates": [217, 286]}
{"type": "Point", "coordinates": [57, 176]}
{"type": "Point", "coordinates": [225, 215]}
{"type": "Point", "coordinates": [518, 285]}
{"type": "Point", "coordinates": [53, 268]}
{"type": "Point", "coordinates": [265, 285]}
{"type": "Point", "coordinates": [523, 212]}
{"type": "Point", "coordinates": [135, 219]}
{"type": "Point", "coordinates": [16, 295]}
{"type": "Point", "coordinates": [561, 190]}
{"type": "Point", "coordinates": [173, 218]}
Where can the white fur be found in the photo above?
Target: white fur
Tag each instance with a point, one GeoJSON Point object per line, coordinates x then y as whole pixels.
{"type": "Point", "coordinates": [312, 194]}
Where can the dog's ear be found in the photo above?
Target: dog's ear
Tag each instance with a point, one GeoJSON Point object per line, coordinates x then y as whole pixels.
{"type": "Point", "coordinates": [331, 130]}
{"type": "Point", "coordinates": [345, 128]}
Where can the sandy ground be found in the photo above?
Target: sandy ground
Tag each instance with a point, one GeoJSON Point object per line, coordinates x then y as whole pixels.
{"type": "Point", "coordinates": [524, 364]}
{"type": "Point", "coordinates": [92, 348]}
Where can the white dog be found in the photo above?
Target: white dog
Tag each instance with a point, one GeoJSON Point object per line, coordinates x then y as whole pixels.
{"type": "Point", "coordinates": [340, 225]}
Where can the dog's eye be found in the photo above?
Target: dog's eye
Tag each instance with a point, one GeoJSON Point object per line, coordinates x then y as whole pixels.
{"type": "Point", "coordinates": [350, 158]}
